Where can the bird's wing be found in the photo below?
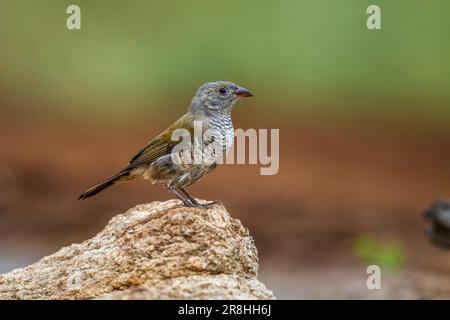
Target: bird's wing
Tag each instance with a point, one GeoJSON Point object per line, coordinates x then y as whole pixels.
{"type": "Point", "coordinates": [162, 144]}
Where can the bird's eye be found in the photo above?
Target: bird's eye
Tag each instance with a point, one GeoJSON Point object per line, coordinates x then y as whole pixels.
{"type": "Point", "coordinates": [222, 91]}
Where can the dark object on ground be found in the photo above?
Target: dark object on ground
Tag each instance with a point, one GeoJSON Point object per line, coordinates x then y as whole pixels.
{"type": "Point", "coordinates": [438, 230]}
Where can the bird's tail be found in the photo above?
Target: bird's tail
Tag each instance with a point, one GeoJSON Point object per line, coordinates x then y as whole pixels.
{"type": "Point", "coordinates": [121, 176]}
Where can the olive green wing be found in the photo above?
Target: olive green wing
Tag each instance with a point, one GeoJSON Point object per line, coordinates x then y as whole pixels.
{"type": "Point", "coordinates": [162, 144]}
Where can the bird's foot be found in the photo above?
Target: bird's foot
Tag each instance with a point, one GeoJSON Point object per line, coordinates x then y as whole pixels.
{"type": "Point", "coordinates": [206, 204]}
{"type": "Point", "coordinates": [189, 204]}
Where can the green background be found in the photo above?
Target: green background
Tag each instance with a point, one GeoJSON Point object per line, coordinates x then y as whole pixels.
{"type": "Point", "coordinates": [314, 57]}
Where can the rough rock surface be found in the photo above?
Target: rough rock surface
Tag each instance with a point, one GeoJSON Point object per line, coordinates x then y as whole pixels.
{"type": "Point", "coordinates": [153, 251]}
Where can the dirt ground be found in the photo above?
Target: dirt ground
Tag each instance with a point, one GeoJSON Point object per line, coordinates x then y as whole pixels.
{"type": "Point", "coordinates": [336, 182]}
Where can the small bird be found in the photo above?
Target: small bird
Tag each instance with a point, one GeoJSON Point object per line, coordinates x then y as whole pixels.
{"type": "Point", "coordinates": [210, 107]}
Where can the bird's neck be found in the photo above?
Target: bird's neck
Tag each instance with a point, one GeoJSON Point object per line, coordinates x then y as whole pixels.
{"type": "Point", "coordinates": [221, 120]}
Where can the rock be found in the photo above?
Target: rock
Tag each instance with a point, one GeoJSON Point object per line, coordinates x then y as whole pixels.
{"type": "Point", "coordinates": [221, 286]}
{"type": "Point", "coordinates": [160, 250]}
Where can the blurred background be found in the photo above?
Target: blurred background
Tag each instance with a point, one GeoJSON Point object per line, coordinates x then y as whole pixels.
{"type": "Point", "coordinates": [363, 118]}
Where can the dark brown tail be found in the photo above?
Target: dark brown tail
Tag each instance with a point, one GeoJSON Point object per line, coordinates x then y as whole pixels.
{"type": "Point", "coordinates": [103, 185]}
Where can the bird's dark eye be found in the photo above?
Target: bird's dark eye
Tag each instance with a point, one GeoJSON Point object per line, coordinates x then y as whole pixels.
{"type": "Point", "coordinates": [222, 91]}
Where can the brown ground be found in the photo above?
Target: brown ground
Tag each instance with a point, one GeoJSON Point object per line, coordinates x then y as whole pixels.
{"type": "Point", "coordinates": [335, 183]}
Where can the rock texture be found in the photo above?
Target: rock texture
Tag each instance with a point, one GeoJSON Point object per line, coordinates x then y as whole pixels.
{"type": "Point", "coordinates": [160, 250]}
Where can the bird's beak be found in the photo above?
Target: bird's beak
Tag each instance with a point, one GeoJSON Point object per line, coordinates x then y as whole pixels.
{"type": "Point", "coordinates": [242, 93]}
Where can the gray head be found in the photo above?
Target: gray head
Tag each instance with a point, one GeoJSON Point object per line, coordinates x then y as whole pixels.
{"type": "Point", "coordinates": [217, 97]}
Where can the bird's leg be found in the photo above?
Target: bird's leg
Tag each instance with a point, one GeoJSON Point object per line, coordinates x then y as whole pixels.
{"type": "Point", "coordinates": [185, 200]}
{"type": "Point", "coordinates": [191, 198]}
{"type": "Point", "coordinates": [195, 202]}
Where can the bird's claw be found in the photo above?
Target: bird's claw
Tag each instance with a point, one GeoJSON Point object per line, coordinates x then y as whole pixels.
{"type": "Point", "coordinates": [196, 204]}
{"type": "Point", "coordinates": [207, 204]}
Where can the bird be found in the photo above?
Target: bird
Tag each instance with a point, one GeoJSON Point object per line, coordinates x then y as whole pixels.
{"type": "Point", "coordinates": [211, 108]}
